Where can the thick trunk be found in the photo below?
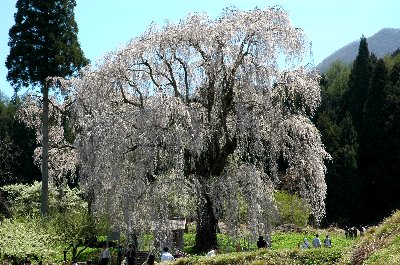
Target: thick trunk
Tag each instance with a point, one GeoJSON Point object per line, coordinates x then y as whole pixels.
{"type": "Point", "coordinates": [45, 153]}
{"type": "Point", "coordinates": [206, 231]}
{"type": "Point", "coordinates": [210, 164]}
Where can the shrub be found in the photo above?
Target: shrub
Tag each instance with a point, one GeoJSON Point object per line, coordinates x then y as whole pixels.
{"type": "Point", "coordinates": [291, 208]}
{"type": "Point", "coordinates": [27, 238]}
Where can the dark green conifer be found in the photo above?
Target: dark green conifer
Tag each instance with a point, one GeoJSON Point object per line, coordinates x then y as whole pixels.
{"type": "Point", "coordinates": [358, 84]}
{"type": "Point", "coordinates": [43, 42]}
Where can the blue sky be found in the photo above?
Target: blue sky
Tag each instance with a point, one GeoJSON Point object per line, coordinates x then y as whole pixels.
{"type": "Point", "coordinates": [105, 24]}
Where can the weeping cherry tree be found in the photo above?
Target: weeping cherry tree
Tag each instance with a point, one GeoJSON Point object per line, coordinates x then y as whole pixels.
{"type": "Point", "coordinates": [196, 114]}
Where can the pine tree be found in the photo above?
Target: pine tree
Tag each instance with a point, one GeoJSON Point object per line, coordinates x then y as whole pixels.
{"type": "Point", "coordinates": [43, 42]}
{"type": "Point", "coordinates": [358, 84]}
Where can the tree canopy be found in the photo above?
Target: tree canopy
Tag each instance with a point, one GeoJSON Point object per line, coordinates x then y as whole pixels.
{"type": "Point", "coordinates": [43, 42]}
{"type": "Point", "coordinates": [201, 109]}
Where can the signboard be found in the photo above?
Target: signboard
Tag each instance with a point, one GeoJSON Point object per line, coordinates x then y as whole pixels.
{"type": "Point", "coordinates": [114, 235]}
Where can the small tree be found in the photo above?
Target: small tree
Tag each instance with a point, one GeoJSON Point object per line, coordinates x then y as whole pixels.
{"type": "Point", "coordinates": [43, 42]}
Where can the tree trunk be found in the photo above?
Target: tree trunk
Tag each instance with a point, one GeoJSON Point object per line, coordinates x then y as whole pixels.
{"type": "Point", "coordinates": [206, 230]}
{"type": "Point", "coordinates": [44, 207]}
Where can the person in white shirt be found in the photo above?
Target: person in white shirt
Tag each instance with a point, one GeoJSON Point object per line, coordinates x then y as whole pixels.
{"type": "Point", "coordinates": [166, 256]}
{"type": "Point", "coordinates": [105, 255]}
{"type": "Point", "coordinates": [213, 252]}
{"type": "Point", "coordinates": [316, 242]}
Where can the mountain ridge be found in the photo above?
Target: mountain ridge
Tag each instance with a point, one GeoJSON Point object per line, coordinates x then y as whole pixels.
{"type": "Point", "coordinates": [385, 41]}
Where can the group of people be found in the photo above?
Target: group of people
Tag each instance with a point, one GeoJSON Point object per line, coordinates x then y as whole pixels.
{"type": "Point", "coordinates": [351, 232]}
{"type": "Point", "coordinates": [165, 256]}
{"type": "Point", "coordinates": [316, 242]}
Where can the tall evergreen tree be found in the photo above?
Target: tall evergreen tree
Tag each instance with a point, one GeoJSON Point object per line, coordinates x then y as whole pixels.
{"type": "Point", "coordinates": [358, 84]}
{"type": "Point", "coordinates": [391, 146]}
{"type": "Point", "coordinates": [372, 154]}
{"type": "Point", "coordinates": [43, 42]}
{"type": "Point", "coordinates": [339, 137]}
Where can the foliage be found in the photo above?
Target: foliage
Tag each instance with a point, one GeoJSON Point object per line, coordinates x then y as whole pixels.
{"type": "Point", "coordinates": [3, 98]}
{"type": "Point", "coordinates": [17, 143]}
{"type": "Point", "coordinates": [75, 229]}
{"type": "Point", "coordinates": [340, 138]}
{"type": "Point", "coordinates": [372, 154]}
{"type": "Point", "coordinates": [291, 209]}
{"type": "Point", "coordinates": [359, 112]}
{"type": "Point", "coordinates": [43, 42]}
{"type": "Point", "coordinates": [358, 84]}
{"type": "Point", "coordinates": [27, 237]}
{"type": "Point", "coordinates": [25, 199]}
{"type": "Point", "coordinates": [68, 218]}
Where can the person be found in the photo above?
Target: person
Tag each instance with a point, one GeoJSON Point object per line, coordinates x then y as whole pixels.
{"type": "Point", "coordinates": [166, 256]}
{"type": "Point", "coordinates": [213, 252]}
{"type": "Point", "coordinates": [178, 254]}
{"type": "Point", "coordinates": [316, 242]}
{"type": "Point", "coordinates": [268, 240]}
{"type": "Point", "coordinates": [89, 262]}
{"type": "Point", "coordinates": [105, 255]}
{"type": "Point", "coordinates": [327, 242]}
{"type": "Point", "coordinates": [151, 259]}
{"type": "Point", "coordinates": [261, 243]}
{"type": "Point", "coordinates": [74, 262]}
{"type": "Point", "coordinates": [362, 231]}
{"type": "Point", "coordinates": [305, 244]}
{"type": "Point", "coordinates": [238, 247]}
{"type": "Point", "coordinates": [130, 255]}
{"type": "Point", "coordinates": [119, 257]}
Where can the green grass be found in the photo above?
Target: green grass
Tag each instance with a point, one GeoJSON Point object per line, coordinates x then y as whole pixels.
{"type": "Point", "coordinates": [290, 240]}
{"type": "Point", "coordinates": [285, 250]}
{"type": "Point", "coordinates": [271, 257]}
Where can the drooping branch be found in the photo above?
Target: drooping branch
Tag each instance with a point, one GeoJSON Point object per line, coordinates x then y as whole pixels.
{"type": "Point", "coordinates": [184, 67]}
{"type": "Point", "coordinates": [151, 74]}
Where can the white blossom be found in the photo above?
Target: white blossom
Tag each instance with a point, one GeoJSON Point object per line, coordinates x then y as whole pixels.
{"type": "Point", "coordinates": [149, 112]}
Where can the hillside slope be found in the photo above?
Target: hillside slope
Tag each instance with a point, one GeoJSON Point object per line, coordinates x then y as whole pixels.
{"type": "Point", "coordinates": [380, 245]}
{"type": "Point", "coordinates": [383, 42]}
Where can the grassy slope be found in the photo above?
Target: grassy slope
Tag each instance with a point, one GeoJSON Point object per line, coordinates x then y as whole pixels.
{"type": "Point", "coordinates": [380, 245]}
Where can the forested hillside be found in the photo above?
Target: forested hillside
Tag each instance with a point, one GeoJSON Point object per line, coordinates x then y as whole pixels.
{"type": "Point", "coordinates": [359, 120]}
